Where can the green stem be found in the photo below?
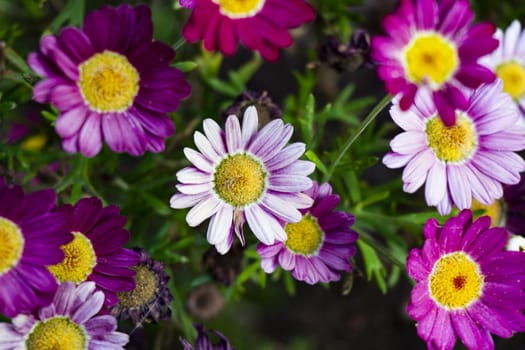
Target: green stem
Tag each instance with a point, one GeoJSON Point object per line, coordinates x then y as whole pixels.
{"type": "Point", "coordinates": [178, 44]}
{"type": "Point", "coordinates": [369, 119]}
{"type": "Point", "coordinates": [368, 239]}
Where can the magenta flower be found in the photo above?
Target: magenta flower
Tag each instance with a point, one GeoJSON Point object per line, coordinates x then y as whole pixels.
{"type": "Point", "coordinates": [111, 82]}
{"type": "Point", "coordinates": [468, 286]}
{"type": "Point", "coordinates": [318, 247]}
{"type": "Point", "coordinates": [31, 234]}
{"type": "Point", "coordinates": [70, 322]}
{"type": "Point", "coordinates": [260, 25]}
{"type": "Point", "coordinates": [434, 46]}
{"type": "Point", "coordinates": [96, 252]}
{"type": "Point", "coordinates": [470, 159]}
{"type": "Point", "coordinates": [241, 175]}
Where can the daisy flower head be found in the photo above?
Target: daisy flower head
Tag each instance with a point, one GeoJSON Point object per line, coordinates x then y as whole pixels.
{"type": "Point", "coordinates": [467, 285]}
{"type": "Point", "coordinates": [70, 322]}
{"type": "Point", "coordinates": [244, 174]}
{"type": "Point", "coordinates": [31, 234]}
{"type": "Point", "coordinates": [508, 62]}
{"type": "Point", "coordinates": [433, 45]}
{"type": "Point", "coordinates": [111, 82]}
{"type": "Point", "coordinates": [319, 246]}
{"type": "Point", "coordinates": [260, 25]}
{"type": "Point", "coordinates": [472, 158]}
{"type": "Point", "coordinates": [96, 253]}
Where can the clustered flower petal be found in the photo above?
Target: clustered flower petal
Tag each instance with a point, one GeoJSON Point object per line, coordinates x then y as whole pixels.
{"type": "Point", "coordinates": [203, 341]}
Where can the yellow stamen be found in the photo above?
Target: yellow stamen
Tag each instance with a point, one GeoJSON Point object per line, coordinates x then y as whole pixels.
{"type": "Point", "coordinates": [239, 180]}
{"type": "Point", "coordinates": [494, 211]}
{"type": "Point", "coordinates": [513, 76]}
{"type": "Point", "coordinates": [304, 237]}
{"type": "Point", "coordinates": [11, 245]}
{"type": "Point", "coordinates": [453, 143]}
{"type": "Point", "coordinates": [108, 82]}
{"type": "Point", "coordinates": [430, 56]}
{"type": "Point", "coordinates": [455, 281]}
{"type": "Point", "coordinates": [57, 333]}
{"type": "Point", "coordinates": [145, 288]}
{"type": "Point", "coordinates": [79, 261]}
{"type": "Point", "coordinates": [240, 8]}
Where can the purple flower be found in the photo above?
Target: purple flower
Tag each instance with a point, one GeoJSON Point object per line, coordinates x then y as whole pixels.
{"type": "Point", "coordinates": [467, 285]}
{"type": "Point", "coordinates": [433, 45]}
{"type": "Point", "coordinates": [319, 246]}
{"type": "Point", "coordinates": [260, 25]}
{"type": "Point", "coordinates": [69, 322]}
{"type": "Point", "coordinates": [203, 341]}
{"type": "Point", "coordinates": [514, 199]}
{"type": "Point", "coordinates": [470, 159]}
{"type": "Point", "coordinates": [111, 82]}
{"type": "Point", "coordinates": [244, 175]}
{"type": "Point", "coordinates": [96, 253]}
{"type": "Point", "coordinates": [31, 234]}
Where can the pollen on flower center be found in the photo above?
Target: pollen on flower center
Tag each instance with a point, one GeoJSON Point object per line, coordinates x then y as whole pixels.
{"type": "Point", "coordinates": [455, 281]}
{"type": "Point", "coordinates": [108, 82]}
{"type": "Point", "coordinates": [145, 288]}
{"type": "Point", "coordinates": [57, 333]}
{"type": "Point", "coordinates": [451, 143]}
{"type": "Point", "coordinates": [240, 8]}
{"type": "Point", "coordinates": [239, 180]}
{"type": "Point", "coordinates": [11, 245]}
{"type": "Point", "coordinates": [304, 237]}
{"type": "Point", "coordinates": [513, 76]}
{"type": "Point", "coordinates": [430, 56]}
{"type": "Point", "coordinates": [79, 260]}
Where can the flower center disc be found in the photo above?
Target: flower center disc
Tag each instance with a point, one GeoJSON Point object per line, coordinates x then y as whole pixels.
{"type": "Point", "coordinates": [239, 180]}
{"type": "Point", "coordinates": [11, 245]}
{"type": "Point", "coordinates": [79, 260]}
{"type": "Point", "coordinates": [513, 76]}
{"type": "Point", "coordinates": [145, 289]}
{"type": "Point", "coordinates": [430, 56]}
{"type": "Point", "coordinates": [240, 8]}
{"type": "Point", "coordinates": [108, 82]}
{"type": "Point", "coordinates": [57, 333]}
{"type": "Point", "coordinates": [455, 281]}
{"type": "Point", "coordinates": [451, 143]}
{"type": "Point", "coordinates": [304, 237]}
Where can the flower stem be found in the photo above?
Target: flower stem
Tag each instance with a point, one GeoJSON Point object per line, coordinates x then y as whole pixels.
{"type": "Point", "coordinates": [369, 119]}
{"type": "Point", "coordinates": [368, 239]}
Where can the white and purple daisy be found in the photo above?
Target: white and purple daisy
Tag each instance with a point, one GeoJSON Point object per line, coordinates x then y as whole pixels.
{"type": "Point", "coordinates": [319, 246]}
{"type": "Point", "coordinates": [433, 45]}
{"type": "Point", "coordinates": [243, 174]}
{"type": "Point", "coordinates": [69, 322]}
{"type": "Point", "coordinates": [110, 81]}
{"type": "Point", "coordinates": [472, 158]}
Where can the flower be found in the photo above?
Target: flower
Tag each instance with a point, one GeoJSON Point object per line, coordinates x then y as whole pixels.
{"type": "Point", "coordinates": [244, 175]}
{"type": "Point", "coordinates": [514, 199]}
{"type": "Point", "coordinates": [470, 159]}
{"type": "Point", "coordinates": [349, 56]}
{"type": "Point", "coordinates": [318, 247]}
{"type": "Point", "coordinates": [203, 341]}
{"type": "Point", "coordinates": [150, 301]}
{"type": "Point", "coordinates": [508, 62]}
{"type": "Point", "coordinates": [96, 253]}
{"type": "Point", "coordinates": [468, 286]}
{"type": "Point", "coordinates": [110, 81]}
{"type": "Point", "coordinates": [31, 234]}
{"type": "Point", "coordinates": [266, 109]}
{"type": "Point", "coordinates": [435, 46]}
{"type": "Point", "coordinates": [260, 25]}
{"type": "Point", "coordinates": [69, 322]}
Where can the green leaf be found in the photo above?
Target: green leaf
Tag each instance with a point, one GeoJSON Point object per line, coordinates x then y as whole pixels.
{"type": "Point", "coordinates": [185, 66]}
{"type": "Point", "coordinates": [289, 283]}
{"type": "Point", "coordinates": [314, 158]}
{"type": "Point", "coordinates": [307, 122]}
{"type": "Point", "coordinates": [373, 265]}
{"type": "Point", "coordinates": [248, 272]}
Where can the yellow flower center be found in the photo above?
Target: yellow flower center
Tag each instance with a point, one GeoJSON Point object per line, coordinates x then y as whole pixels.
{"type": "Point", "coordinates": [451, 143]}
{"type": "Point", "coordinates": [145, 289]}
{"type": "Point", "coordinates": [79, 260]}
{"type": "Point", "coordinates": [513, 76]}
{"type": "Point", "coordinates": [494, 211]}
{"type": "Point", "coordinates": [455, 281]}
{"type": "Point", "coordinates": [11, 245]}
{"type": "Point", "coordinates": [240, 8]}
{"type": "Point", "coordinates": [304, 237]}
{"type": "Point", "coordinates": [108, 82]}
{"type": "Point", "coordinates": [34, 143]}
{"type": "Point", "coordinates": [239, 180]}
{"type": "Point", "coordinates": [57, 333]}
{"type": "Point", "coordinates": [430, 56]}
